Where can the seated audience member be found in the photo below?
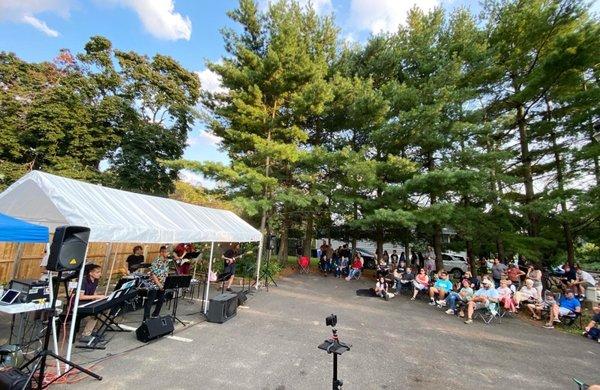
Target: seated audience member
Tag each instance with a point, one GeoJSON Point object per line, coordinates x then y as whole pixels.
{"type": "Point", "coordinates": [421, 283]}
{"type": "Point", "coordinates": [592, 331]}
{"type": "Point", "coordinates": [537, 307]}
{"type": "Point", "coordinates": [505, 296]}
{"type": "Point", "coordinates": [382, 269]}
{"type": "Point", "coordinates": [441, 287]}
{"type": "Point", "coordinates": [514, 275]}
{"type": "Point", "coordinates": [340, 266]}
{"type": "Point", "coordinates": [473, 281]}
{"type": "Point", "coordinates": [463, 296]}
{"type": "Point", "coordinates": [92, 274]}
{"type": "Point", "coordinates": [401, 266]}
{"type": "Point", "coordinates": [583, 280]}
{"type": "Point", "coordinates": [567, 305]}
{"type": "Point", "coordinates": [569, 276]}
{"type": "Point", "coordinates": [481, 299]}
{"type": "Point", "coordinates": [527, 293]}
{"type": "Point", "coordinates": [135, 258]}
{"type": "Point", "coordinates": [357, 265]}
{"type": "Point", "coordinates": [404, 280]}
{"type": "Point", "coordinates": [381, 288]}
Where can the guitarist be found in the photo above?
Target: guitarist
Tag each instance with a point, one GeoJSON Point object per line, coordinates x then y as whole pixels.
{"type": "Point", "coordinates": [229, 258]}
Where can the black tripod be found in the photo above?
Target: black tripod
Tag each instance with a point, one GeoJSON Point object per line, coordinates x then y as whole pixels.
{"type": "Point", "coordinates": [267, 272]}
{"type": "Point", "coordinates": [40, 359]}
{"type": "Point", "coordinates": [336, 347]}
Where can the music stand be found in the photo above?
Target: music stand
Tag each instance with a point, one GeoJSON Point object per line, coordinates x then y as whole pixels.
{"type": "Point", "coordinates": [176, 282]}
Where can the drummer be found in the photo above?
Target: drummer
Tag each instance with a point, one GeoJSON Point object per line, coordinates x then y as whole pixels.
{"type": "Point", "coordinates": [135, 259]}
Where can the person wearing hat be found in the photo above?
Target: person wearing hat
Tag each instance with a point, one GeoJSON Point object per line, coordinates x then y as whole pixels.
{"type": "Point", "coordinates": [482, 298]}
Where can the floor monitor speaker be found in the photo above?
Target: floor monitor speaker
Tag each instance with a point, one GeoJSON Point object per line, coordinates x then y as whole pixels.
{"type": "Point", "coordinates": [222, 308]}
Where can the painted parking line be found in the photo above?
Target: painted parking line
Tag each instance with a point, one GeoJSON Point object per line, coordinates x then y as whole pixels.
{"type": "Point", "coordinates": [177, 338]}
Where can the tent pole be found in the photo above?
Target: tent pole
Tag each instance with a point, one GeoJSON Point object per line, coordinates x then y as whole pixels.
{"type": "Point", "coordinates": [54, 339]}
{"type": "Point", "coordinates": [205, 303]}
{"type": "Point", "coordinates": [107, 254]}
{"type": "Point", "coordinates": [112, 267]}
{"type": "Point", "coordinates": [258, 258]}
{"type": "Point", "coordinates": [75, 307]}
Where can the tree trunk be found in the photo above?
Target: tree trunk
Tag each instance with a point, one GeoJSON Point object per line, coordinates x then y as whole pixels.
{"type": "Point", "coordinates": [471, 258]}
{"type": "Point", "coordinates": [526, 174]}
{"type": "Point", "coordinates": [500, 248]}
{"type": "Point", "coordinates": [561, 188]}
{"type": "Point", "coordinates": [379, 242]}
{"type": "Point", "coordinates": [437, 247]}
{"type": "Point", "coordinates": [308, 235]}
{"type": "Point", "coordinates": [282, 255]}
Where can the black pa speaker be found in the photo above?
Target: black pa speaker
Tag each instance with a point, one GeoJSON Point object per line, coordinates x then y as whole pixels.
{"type": "Point", "coordinates": [222, 308]}
{"type": "Point", "coordinates": [68, 248]}
{"type": "Point", "coordinates": [154, 328]}
{"type": "Point", "coordinates": [13, 379]}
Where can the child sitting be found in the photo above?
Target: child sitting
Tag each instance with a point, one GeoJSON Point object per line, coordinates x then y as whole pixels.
{"type": "Point", "coordinates": [505, 297]}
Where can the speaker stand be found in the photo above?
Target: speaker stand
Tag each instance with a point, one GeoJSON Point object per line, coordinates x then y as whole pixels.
{"type": "Point", "coordinates": [39, 361]}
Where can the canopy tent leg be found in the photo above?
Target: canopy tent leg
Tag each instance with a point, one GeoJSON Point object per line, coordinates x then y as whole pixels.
{"type": "Point", "coordinates": [258, 259]}
{"type": "Point", "coordinates": [210, 259]}
{"type": "Point", "coordinates": [106, 260]}
{"type": "Point", "coordinates": [112, 267]}
{"type": "Point", "coordinates": [75, 307]}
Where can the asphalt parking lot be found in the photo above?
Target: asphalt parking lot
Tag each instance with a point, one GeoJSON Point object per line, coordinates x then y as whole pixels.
{"type": "Point", "coordinates": [400, 344]}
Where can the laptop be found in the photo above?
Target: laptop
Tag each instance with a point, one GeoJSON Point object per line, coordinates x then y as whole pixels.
{"type": "Point", "coordinates": [9, 297]}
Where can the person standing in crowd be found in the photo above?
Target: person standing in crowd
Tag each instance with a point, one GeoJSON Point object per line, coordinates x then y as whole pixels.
{"type": "Point", "coordinates": [535, 274]}
{"type": "Point", "coordinates": [159, 270]}
{"type": "Point", "coordinates": [394, 257]}
{"type": "Point", "coordinates": [498, 271]}
{"type": "Point", "coordinates": [89, 284]}
{"type": "Point", "coordinates": [386, 257]}
{"type": "Point", "coordinates": [135, 258]}
{"type": "Point", "coordinates": [514, 275]}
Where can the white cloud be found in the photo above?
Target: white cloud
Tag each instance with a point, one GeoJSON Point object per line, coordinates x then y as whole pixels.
{"type": "Point", "coordinates": [42, 26]}
{"type": "Point", "coordinates": [209, 138]}
{"type": "Point", "coordinates": [24, 11]}
{"type": "Point", "coordinates": [160, 19]}
{"type": "Point", "coordinates": [195, 179]}
{"type": "Point", "coordinates": [379, 16]}
{"type": "Point", "coordinates": [210, 81]}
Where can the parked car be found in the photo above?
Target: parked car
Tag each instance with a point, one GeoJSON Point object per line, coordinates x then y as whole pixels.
{"type": "Point", "coordinates": [455, 265]}
{"type": "Point", "coordinates": [368, 258]}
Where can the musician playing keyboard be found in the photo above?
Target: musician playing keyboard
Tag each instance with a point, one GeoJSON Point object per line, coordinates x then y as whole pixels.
{"type": "Point", "coordinates": [92, 274]}
{"type": "Point", "coordinates": [158, 273]}
{"type": "Point", "coordinates": [229, 258]}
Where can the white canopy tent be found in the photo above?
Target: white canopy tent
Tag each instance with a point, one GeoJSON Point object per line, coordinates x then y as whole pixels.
{"type": "Point", "coordinates": [119, 216]}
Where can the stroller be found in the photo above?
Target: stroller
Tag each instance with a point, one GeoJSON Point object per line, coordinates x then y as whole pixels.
{"type": "Point", "coordinates": [304, 264]}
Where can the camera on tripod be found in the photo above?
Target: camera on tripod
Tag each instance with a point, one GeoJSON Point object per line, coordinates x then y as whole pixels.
{"type": "Point", "coordinates": [335, 347]}
{"type": "Point", "coordinates": [331, 320]}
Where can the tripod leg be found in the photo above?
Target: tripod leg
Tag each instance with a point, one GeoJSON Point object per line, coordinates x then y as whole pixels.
{"type": "Point", "coordinates": [75, 366]}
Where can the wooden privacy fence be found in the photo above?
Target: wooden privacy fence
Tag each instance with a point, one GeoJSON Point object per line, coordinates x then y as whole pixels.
{"type": "Point", "coordinates": [22, 261]}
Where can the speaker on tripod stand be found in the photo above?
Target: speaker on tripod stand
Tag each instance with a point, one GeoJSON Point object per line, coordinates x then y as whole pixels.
{"type": "Point", "coordinates": [67, 253]}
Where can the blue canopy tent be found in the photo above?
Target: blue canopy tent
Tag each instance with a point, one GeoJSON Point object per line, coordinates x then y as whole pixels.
{"type": "Point", "coordinates": [16, 230]}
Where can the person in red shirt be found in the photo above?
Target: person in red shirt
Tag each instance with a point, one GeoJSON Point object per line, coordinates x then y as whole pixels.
{"type": "Point", "coordinates": [514, 275]}
{"type": "Point", "coordinates": [357, 265]}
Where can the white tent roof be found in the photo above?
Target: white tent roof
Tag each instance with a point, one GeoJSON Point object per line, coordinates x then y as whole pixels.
{"type": "Point", "coordinates": [119, 216]}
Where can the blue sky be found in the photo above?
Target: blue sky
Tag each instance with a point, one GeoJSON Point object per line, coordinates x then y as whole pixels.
{"type": "Point", "coordinates": [187, 30]}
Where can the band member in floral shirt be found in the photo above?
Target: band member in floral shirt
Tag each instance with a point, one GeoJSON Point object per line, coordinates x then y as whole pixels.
{"type": "Point", "coordinates": [158, 273]}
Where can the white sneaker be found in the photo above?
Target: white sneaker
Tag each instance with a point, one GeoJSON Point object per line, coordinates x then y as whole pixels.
{"type": "Point", "coordinates": [449, 311]}
{"type": "Point", "coordinates": [432, 303]}
{"type": "Point", "coordinates": [441, 302]}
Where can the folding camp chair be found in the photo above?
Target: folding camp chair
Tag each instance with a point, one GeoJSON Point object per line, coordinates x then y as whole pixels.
{"type": "Point", "coordinates": [304, 264]}
{"type": "Point", "coordinates": [489, 313]}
